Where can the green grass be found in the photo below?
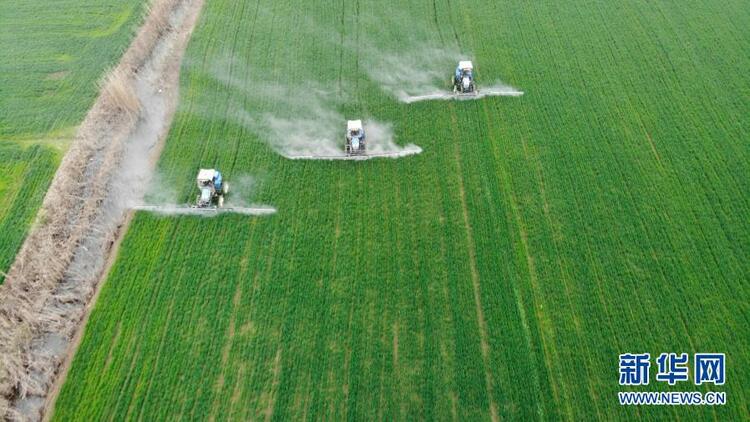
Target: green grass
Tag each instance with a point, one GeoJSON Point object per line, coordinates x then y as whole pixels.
{"type": "Point", "coordinates": [534, 239]}
{"type": "Point", "coordinates": [53, 55]}
{"type": "Point", "coordinates": [26, 172]}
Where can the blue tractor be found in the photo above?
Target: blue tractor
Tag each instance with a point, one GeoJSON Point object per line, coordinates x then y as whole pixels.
{"type": "Point", "coordinates": [356, 142]}
{"type": "Point", "coordinates": [463, 80]}
{"type": "Point", "coordinates": [212, 188]}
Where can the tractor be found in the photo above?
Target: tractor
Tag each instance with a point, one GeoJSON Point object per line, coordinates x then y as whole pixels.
{"type": "Point", "coordinates": [355, 138]}
{"type": "Point", "coordinates": [463, 80]}
{"type": "Point", "coordinates": [212, 187]}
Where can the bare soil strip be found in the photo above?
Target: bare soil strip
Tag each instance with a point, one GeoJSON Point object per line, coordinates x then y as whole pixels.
{"type": "Point", "coordinates": [54, 281]}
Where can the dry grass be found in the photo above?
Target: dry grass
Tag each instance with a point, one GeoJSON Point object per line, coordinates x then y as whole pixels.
{"type": "Point", "coordinates": [156, 24]}
{"type": "Point", "coordinates": [117, 89]}
{"type": "Point", "coordinates": [41, 280]}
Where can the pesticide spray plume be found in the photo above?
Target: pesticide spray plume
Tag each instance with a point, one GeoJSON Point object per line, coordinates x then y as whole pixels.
{"type": "Point", "coordinates": [416, 71]}
{"type": "Point", "coordinates": [180, 210]}
{"type": "Point", "coordinates": [423, 72]}
{"type": "Point", "coordinates": [308, 145]}
{"type": "Point", "coordinates": [163, 200]}
{"type": "Point", "coordinates": [497, 90]}
{"type": "Point", "coordinates": [305, 123]}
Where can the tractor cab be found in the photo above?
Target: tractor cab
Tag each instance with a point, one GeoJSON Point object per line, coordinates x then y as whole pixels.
{"type": "Point", "coordinates": [212, 188]}
{"type": "Point", "coordinates": [463, 81]}
{"type": "Point", "coordinates": [355, 137]}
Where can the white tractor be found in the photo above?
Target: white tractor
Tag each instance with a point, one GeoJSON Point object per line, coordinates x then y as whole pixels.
{"type": "Point", "coordinates": [212, 188]}
{"type": "Point", "coordinates": [463, 80]}
{"type": "Point", "coordinates": [209, 202]}
{"type": "Point", "coordinates": [355, 138]}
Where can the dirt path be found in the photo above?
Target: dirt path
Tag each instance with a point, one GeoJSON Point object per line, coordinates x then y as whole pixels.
{"type": "Point", "coordinates": [55, 280]}
{"type": "Point", "coordinates": [62, 373]}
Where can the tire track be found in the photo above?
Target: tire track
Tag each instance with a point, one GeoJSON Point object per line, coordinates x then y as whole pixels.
{"type": "Point", "coordinates": [342, 46]}
{"type": "Point", "coordinates": [436, 21]}
{"type": "Point", "coordinates": [452, 25]}
{"type": "Point", "coordinates": [231, 329]}
{"type": "Point", "coordinates": [475, 280]}
{"type": "Point", "coordinates": [248, 66]}
{"type": "Point", "coordinates": [276, 371]}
